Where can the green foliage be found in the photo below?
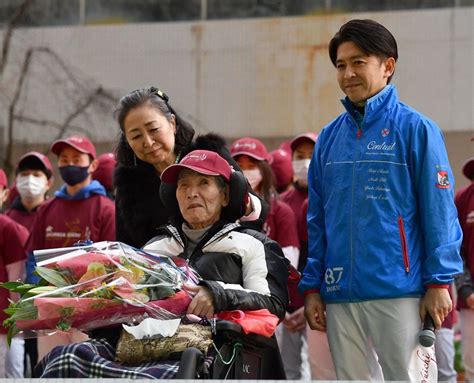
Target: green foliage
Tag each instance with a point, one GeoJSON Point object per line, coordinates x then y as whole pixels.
{"type": "Point", "coordinates": [54, 277]}
{"type": "Point", "coordinates": [458, 366]}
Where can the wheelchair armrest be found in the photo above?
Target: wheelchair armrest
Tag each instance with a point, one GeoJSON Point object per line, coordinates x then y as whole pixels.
{"type": "Point", "coordinates": [228, 326]}
{"type": "Point", "coordinates": [234, 331]}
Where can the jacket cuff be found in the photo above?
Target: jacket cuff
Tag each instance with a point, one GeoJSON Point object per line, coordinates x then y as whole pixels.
{"type": "Point", "coordinates": [435, 286]}
{"type": "Point", "coordinates": [312, 291]}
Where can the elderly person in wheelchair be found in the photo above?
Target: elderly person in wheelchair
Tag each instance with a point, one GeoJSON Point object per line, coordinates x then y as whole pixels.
{"type": "Point", "coordinates": [241, 269]}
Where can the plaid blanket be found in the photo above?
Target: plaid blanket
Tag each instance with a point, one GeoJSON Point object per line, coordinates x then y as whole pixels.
{"type": "Point", "coordinates": [95, 359]}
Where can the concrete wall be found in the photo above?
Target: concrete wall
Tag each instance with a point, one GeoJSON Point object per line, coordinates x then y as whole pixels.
{"type": "Point", "coordinates": [269, 78]}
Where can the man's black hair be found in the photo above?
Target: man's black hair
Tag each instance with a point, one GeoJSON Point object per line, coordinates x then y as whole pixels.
{"type": "Point", "coordinates": [371, 37]}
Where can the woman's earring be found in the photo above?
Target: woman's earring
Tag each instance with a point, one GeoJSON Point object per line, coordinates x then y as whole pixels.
{"type": "Point", "coordinates": [134, 159]}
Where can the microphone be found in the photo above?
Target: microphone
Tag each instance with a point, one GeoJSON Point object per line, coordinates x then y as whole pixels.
{"type": "Point", "coordinates": [427, 335]}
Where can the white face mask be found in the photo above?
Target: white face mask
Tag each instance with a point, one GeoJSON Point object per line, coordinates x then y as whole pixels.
{"type": "Point", "coordinates": [254, 177]}
{"type": "Point", "coordinates": [300, 169]}
{"type": "Point", "coordinates": [31, 186]}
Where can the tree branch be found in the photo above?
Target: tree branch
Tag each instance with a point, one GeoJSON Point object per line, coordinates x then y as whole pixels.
{"type": "Point", "coordinates": [10, 27]}
{"type": "Point", "coordinates": [88, 101]}
{"type": "Point", "coordinates": [54, 124]}
{"type": "Point", "coordinates": [11, 109]}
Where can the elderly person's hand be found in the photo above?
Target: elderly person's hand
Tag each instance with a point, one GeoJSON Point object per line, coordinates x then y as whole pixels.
{"type": "Point", "coordinates": [202, 304]}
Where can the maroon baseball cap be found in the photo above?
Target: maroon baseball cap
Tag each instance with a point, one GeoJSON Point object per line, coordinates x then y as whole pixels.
{"type": "Point", "coordinates": [468, 168]}
{"type": "Point", "coordinates": [308, 136]}
{"type": "Point", "coordinates": [80, 143]}
{"type": "Point", "coordinates": [105, 171]}
{"type": "Point", "coordinates": [201, 161]}
{"type": "Point", "coordinates": [3, 179]}
{"type": "Point", "coordinates": [250, 147]}
{"type": "Point", "coordinates": [281, 167]}
{"type": "Point", "coordinates": [40, 156]}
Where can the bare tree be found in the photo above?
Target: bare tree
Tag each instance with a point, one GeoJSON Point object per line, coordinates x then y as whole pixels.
{"type": "Point", "coordinates": [11, 24]}
{"type": "Point", "coordinates": [46, 94]}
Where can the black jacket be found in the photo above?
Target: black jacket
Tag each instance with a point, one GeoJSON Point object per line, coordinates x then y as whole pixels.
{"type": "Point", "coordinates": [139, 210]}
{"type": "Point", "coordinates": [244, 269]}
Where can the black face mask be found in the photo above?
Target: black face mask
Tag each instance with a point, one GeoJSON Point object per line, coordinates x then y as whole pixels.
{"type": "Point", "coordinates": [73, 175]}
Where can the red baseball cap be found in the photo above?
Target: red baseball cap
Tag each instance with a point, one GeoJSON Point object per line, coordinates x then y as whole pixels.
{"type": "Point", "coordinates": [3, 179]}
{"type": "Point", "coordinates": [201, 161]}
{"type": "Point", "coordinates": [40, 156]}
{"type": "Point", "coordinates": [105, 171]}
{"type": "Point", "coordinates": [303, 137]}
{"type": "Point", "coordinates": [281, 167]}
{"type": "Point", "coordinates": [80, 143]}
{"type": "Point", "coordinates": [468, 168]}
{"type": "Point", "coordinates": [250, 147]}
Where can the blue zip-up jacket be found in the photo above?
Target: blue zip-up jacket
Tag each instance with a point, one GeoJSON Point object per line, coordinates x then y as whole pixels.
{"type": "Point", "coordinates": [381, 216]}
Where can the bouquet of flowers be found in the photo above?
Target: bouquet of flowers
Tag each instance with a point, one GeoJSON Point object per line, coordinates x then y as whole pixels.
{"type": "Point", "coordinates": [97, 286]}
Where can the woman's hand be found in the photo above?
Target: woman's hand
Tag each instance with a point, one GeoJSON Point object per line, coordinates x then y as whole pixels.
{"type": "Point", "coordinates": [202, 304]}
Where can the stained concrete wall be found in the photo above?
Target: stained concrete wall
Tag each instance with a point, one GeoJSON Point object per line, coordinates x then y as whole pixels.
{"type": "Point", "coordinates": [269, 78]}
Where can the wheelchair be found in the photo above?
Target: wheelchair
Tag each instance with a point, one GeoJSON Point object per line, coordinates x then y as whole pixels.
{"type": "Point", "coordinates": [237, 356]}
{"type": "Point", "coordinates": [234, 355]}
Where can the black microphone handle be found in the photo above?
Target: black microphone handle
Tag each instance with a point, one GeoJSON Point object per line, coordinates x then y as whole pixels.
{"type": "Point", "coordinates": [428, 323]}
{"type": "Point", "coordinates": [427, 336]}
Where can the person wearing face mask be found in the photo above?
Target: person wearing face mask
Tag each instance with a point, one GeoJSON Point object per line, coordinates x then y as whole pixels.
{"type": "Point", "coordinates": [33, 180]}
{"type": "Point", "coordinates": [13, 238]}
{"type": "Point", "coordinates": [280, 225]}
{"type": "Point", "coordinates": [79, 211]}
{"type": "Point", "coordinates": [34, 177]}
{"type": "Point", "coordinates": [301, 151]}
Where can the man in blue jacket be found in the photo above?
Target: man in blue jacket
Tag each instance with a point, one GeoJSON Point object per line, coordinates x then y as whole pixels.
{"type": "Point", "coordinates": [384, 236]}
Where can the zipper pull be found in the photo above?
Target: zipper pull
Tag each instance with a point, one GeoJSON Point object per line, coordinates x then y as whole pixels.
{"type": "Point", "coordinates": [359, 133]}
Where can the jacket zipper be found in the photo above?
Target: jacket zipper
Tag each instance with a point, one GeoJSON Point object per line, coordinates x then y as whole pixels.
{"type": "Point", "coordinates": [403, 239]}
{"type": "Point", "coordinates": [358, 135]}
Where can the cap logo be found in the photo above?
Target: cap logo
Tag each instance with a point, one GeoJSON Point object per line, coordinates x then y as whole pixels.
{"type": "Point", "coordinates": [197, 157]}
{"type": "Point", "coordinates": [245, 145]}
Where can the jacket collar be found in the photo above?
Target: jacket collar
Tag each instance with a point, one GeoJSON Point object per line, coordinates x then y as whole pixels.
{"type": "Point", "coordinates": [375, 106]}
{"type": "Point", "coordinates": [215, 232]}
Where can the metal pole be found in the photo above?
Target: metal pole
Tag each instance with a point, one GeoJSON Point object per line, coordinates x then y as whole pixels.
{"type": "Point", "coordinates": [203, 9]}
{"type": "Point", "coordinates": [327, 5]}
{"type": "Point", "coordinates": [82, 12]}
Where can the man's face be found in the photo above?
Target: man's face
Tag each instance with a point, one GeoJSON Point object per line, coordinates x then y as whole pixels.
{"type": "Point", "coordinates": [72, 157]}
{"type": "Point", "coordinates": [360, 76]}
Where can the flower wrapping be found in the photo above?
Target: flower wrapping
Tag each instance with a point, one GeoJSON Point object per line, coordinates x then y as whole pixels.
{"type": "Point", "coordinates": [99, 285]}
